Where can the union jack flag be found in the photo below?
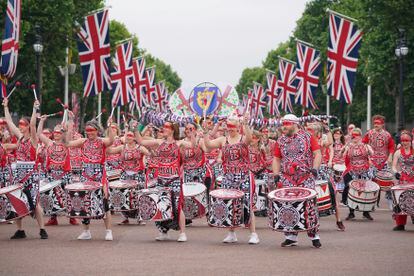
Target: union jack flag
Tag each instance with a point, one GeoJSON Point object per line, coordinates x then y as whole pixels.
{"type": "Point", "coordinates": [10, 46]}
{"type": "Point", "coordinates": [307, 75]}
{"type": "Point", "coordinates": [343, 51]}
{"type": "Point", "coordinates": [242, 108]}
{"type": "Point", "coordinates": [259, 100]}
{"type": "Point", "coordinates": [139, 81]}
{"type": "Point", "coordinates": [94, 53]}
{"type": "Point", "coordinates": [286, 84]}
{"type": "Point", "coordinates": [272, 93]}
{"type": "Point", "coordinates": [161, 97]}
{"type": "Point", "coordinates": [149, 88]}
{"type": "Point", "coordinates": [122, 90]}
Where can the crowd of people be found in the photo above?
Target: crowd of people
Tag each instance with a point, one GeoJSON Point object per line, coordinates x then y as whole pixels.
{"type": "Point", "coordinates": [225, 154]}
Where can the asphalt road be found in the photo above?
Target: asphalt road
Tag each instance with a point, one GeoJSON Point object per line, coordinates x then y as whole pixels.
{"type": "Point", "coordinates": [365, 248]}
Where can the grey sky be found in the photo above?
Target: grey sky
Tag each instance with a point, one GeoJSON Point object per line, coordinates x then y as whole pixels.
{"type": "Point", "coordinates": [209, 40]}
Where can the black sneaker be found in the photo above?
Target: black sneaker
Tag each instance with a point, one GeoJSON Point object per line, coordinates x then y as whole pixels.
{"type": "Point", "coordinates": [288, 243]}
{"type": "Point", "coordinates": [399, 228]}
{"type": "Point", "coordinates": [350, 216]}
{"type": "Point", "coordinates": [340, 225]}
{"type": "Point", "coordinates": [20, 234]}
{"type": "Point", "coordinates": [43, 234]}
{"type": "Point", "coordinates": [367, 216]}
{"type": "Point", "coordinates": [316, 243]}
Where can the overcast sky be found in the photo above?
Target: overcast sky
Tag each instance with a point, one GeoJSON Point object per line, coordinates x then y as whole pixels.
{"type": "Point", "coordinates": [209, 40]}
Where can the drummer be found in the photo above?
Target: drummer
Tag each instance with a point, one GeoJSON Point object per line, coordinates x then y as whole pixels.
{"type": "Point", "coordinates": [403, 167]}
{"type": "Point", "coordinates": [335, 155]}
{"type": "Point", "coordinates": [168, 170]}
{"type": "Point", "coordinates": [357, 161]}
{"type": "Point", "coordinates": [26, 151]}
{"type": "Point", "coordinates": [93, 168]}
{"type": "Point", "coordinates": [236, 169]}
{"type": "Point", "coordinates": [296, 161]}
{"type": "Point", "coordinates": [113, 158]}
{"type": "Point", "coordinates": [257, 164]}
{"type": "Point", "coordinates": [269, 148]}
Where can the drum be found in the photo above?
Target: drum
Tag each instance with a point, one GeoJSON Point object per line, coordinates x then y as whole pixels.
{"type": "Point", "coordinates": [260, 200]}
{"type": "Point", "coordinates": [385, 179]}
{"type": "Point", "coordinates": [403, 198]}
{"type": "Point", "coordinates": [363, 195]}
{"type": "Point", "coordinates": [325, 207]}
{"type": "Point", "coordinates": [293, 209]}
{"type": "Point", "coordinates": [226, 208]}
{"type": "Point", "coordinates": [123, 195]}
{"type": "Point", "coordinates": [155, 204]}
{"type": "Point", "coordinates": [195, 200]}
{"type": "Point", "coordinates": [52, 197]}
{"type": "Point", "coordinates": [113, 175]}
{"type": "Point", "coordinates": [13, 203]}
{"type": "Point", "coordinates": [338, 170]}
{"type": "Point", "coordinates": [85, 200]}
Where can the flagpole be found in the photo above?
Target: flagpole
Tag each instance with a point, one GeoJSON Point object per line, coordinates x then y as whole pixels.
{"type": "Point", "coordinates": [118, 115]}
{"type": "Point", "coordinates": [369, 104]}
{"type": "Point", "coordinates": [98, 10]}
{"type": "Point", "coordinates": [100, 107]}
{"type": "Point", "coordinates": [304, 42]}
{"type": "Point", "coordinates": [341, 15]}
{"type": "Point", "coordinates": [123, 41]}
{"type": "Point", "coordinates": [287, 60]}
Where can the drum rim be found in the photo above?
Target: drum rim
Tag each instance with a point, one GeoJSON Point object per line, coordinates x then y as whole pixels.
{"type": "Point", "coordinates": [16, 187]}
{"type": "Point", "coordinates": [239, 192]}
{"type": "Point", "coordinates": [132, 184]}
{"type": "Point", "coordinates": [370, 191]}
{"type": "Point", "coordinates": [400, 187]}
{"type": "Point", "coordinates": [96, 187]}
{"type": "Point", "coordinates": [314, 194]}
{"type": "Point", "coordinates": [194, 194]}
{"type": "Point", "coordinates": [55, 184]}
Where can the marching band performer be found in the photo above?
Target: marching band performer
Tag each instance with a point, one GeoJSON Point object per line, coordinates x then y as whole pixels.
{"type": "Point", "coordinates": [26, 151]}
{"type": "Point", "coordinates": [235, 156]}
{"type": "Point", "coordinates": [93, 168]}
{"type": "Point", "coordinates": [168, 170]}
{"type": "Point", "coordinates": [357, 161]}
{"type": "Point", "coordinates": [57, 160]}
{"type": "Point", "coordinates": [296, 161]}
{"type": "Point", "coordinates": [113, 158]}
{"type": "Point", "coordinates": [335, 154]}
{"type": "Point", "coordinates": [403, 167]}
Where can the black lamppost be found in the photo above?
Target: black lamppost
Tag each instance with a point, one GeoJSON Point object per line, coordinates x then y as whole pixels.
{"type": "Point", "coordinates": [38, 48]}
{"type": "Point", "coordinates": [400, 51]}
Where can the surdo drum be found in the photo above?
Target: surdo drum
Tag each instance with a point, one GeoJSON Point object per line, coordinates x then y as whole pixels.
{"type": "Point", "coordinates": [324, 197]}
{"type": "Point", "coordinates": [338, 170]}
{"type": "Point", "coordinates": [195, 200]}
{"type": "Point", "coordinates": [403, 198]}
{"type": "Point", "coordinates": [363, 195]}
{"type": "Point", "coordinates": [52, 197]}
{"type": "Point", "coordinates": [385, 179]}
{"type": "Point", "coordinates": [226, 208]}
{"type": "Point", "coordinates": [293, 209]}
{"type": "Point", "coordinates": [85, 200]}
{"type": "Point", "coordinates": [155, 204]}
{"type": "Point", "coordinates": [123, 195]}
{"type": "Point", "coordinates": [13, 203]}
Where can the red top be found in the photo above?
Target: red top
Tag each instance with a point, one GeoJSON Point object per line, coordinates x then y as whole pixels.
{"type": "Point", "coordinates": [257, 159]}
{"type": "Point", "coordinates": [235, 157]}
{"type": "Point", "coordinates": [357, 158]}
{"type": "Point", "coordinates": [58, 157]}
{"type": "Point", "coordinates": [93, 151]}
{"type": "Point", "coordinates": [3, 156]}
{"type": "Point", "coordinates": [382, 144]}
{"type": "Point", "coordinates": [337, 158]}
{"type": "Point", "coordinates": [269, 151]}
{"type": "Point", "coordinates": [132, 159]}
{"type": "Point", "coordinates": [168, 159]}
{"type": "Point", "coordinates": [114, 156]}
{"type": "Point", "coordinates": [406, 162]}
{"type": "Point", "coordinates": [193, 158]}
{"type": "Point", "coordinates": [25, 150]}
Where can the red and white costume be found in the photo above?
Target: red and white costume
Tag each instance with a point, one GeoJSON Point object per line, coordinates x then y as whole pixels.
{"type": "Point", "coordinates": [382, 144]}
{"type": "Point", "coordinates": [132, 164]}
{"type": "Point", "coordinates": [113, 159]}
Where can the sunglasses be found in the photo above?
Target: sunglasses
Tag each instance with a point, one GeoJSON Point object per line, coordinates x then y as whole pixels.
{"type": "Point", "coordinates": [355, 135]}
{"type": "Point", "coordinates": [231, 126]}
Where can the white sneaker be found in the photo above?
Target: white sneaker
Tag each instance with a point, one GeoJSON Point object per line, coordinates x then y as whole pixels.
{"type": "Point", "coordinates": [182, 237]}
{"type": "Point", "coordinates": [163, 237]}
{"type": "Point", "coordinates": [108, 235]}
{"type": "Point", "coordinates": [231, 237]}
{"type": "Point", "coordinates": [254, 238]}
{"type": "Point", "coordinates": [86, 235]}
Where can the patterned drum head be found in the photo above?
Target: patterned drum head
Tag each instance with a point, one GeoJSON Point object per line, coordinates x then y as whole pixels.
{"type": "Point", "coordinates": [46, 186]}
{"type": "Point", "coordinates": [364, 185]}
{"type": "Point", "coordinates": [123, 184]}
{"type": "Point", "coordinates": [226, 193]}
{"type": "Point", "coordinates": [292, 194]}
{"type": "Point", "coordinates": [83, 186]}
{"type": "Point", "coordinates": [9, 189]}
{"type": "Point", "coordinates": [193, 188]}
{"type": "Point", "coordinates": [385, 175]}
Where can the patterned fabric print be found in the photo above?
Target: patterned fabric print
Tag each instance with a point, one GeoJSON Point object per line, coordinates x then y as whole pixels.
{"type": "Point", "coordinates": [86, 204]}
{"type": "Point", "coordinates": [25, 150]}
{"type": "Point", "coordinates": [113, 159]}
{"type": "Point", "coordinates": [269, 150]}
{"type": "Point", "coordinates": [75, 158]}
{"type": "Point", "coordinates": [236, 158]}
{"type": "Point", "coordinates": [27, 175]}
{"type": "Point", "coordinates": [324, 173]}
{"type": "Point", "coordinates": [243, 182]}
{"type": "Point", "coordinates": [168, 159]}
{"type": "Point", "coordinates": [296, 159]}
{"type": "Point", "coordinates": [53, 201]}
{"type": "Point", "coordinates": [379, 140]}
{"type": "Point", "coordinates": [406, 163]}
{"type": "Point", "coordinates": [337, 158]}
{"type": "Point", "coordinates": [91, 172]}
{"type": "Point", "coordinates": [93, 151]}
{"type": "Point", "coordinates": [256, 158]}
{"type": "Point", "coordinates": [192, 158]}
{"type": "Point", "coordinates": [137, 176]}
{"type": "Point", "coordinates": [41, 158]}
{"type": "Point", "coordinates": [5, 176]}
{"type": "Point", "coordinates": [174, 184]}
{"type": "Point", "coordinates": [358, 158]}
{"type": "Point", "coordinates": [64, 177]}
{"type": "Point", "coordinates": [195, 175]}
{"type": "Point", "coordinates": [132, 159]}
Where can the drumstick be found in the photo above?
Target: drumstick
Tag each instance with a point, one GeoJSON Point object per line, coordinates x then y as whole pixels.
{"type": "Point", "coordinates": [63, 105]}
{"type": "Point", "coordinates": [54, 114]}
{"type": "Point", "coordinates": [17, 84]}
{"type": "Point", "coordinates": [112, 112]}
{"type": "Point", "coordinates": [100, 114]}
{"type": "Point", "coordinates": [33, 86]}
